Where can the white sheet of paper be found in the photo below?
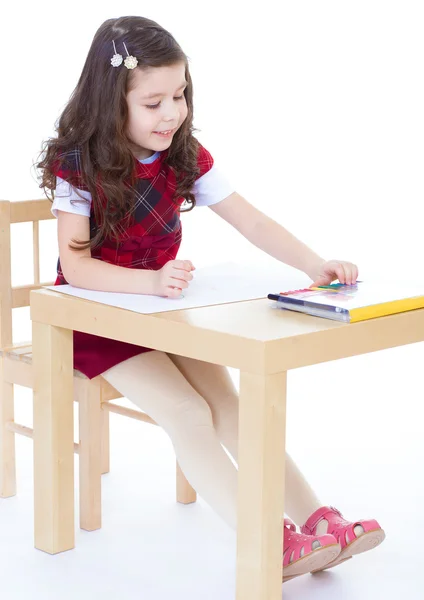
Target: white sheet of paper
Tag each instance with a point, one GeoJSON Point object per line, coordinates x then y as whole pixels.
{"type": "Point", "coordinates": [217, 284]}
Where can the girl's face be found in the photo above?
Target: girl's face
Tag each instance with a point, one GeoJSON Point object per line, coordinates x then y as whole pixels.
{"type": "Point", "coordinates": [156, 103]}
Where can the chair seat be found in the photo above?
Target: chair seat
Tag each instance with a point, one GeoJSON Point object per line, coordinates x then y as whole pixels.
{"type": "Point", "coordinates": [23, 353]}
{"type": "Point", "coordinates": [18, 370]}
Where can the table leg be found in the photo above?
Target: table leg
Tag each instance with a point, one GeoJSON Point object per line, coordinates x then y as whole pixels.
{"type": "Point", "coordinates": [90, 455]}
{"type": "Point", "coordinates": [54, 526]}
{"type": "Point", "coordinates": [261, 476]}
{"type": "Point", "coordinates": [7, 438]}
{"type": "Point", "coordinates": [105, 442]}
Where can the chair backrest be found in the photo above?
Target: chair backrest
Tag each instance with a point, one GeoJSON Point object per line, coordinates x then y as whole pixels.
{"type": "Point", "coordinates": [26, 211]}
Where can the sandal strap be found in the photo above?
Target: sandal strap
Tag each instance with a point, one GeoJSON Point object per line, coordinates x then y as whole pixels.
{"type": "Point", "coordinates": [297, 545]}
{"type": "Point", "coordinates": [288, 524]}
{"type": "Point", "coordinates": [338, 526]}
{"type": "Point", "coordinates": [311, 524]}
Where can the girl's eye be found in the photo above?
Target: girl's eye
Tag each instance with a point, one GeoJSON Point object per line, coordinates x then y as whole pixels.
{"type": "Point", "coordinates": [153, 106]}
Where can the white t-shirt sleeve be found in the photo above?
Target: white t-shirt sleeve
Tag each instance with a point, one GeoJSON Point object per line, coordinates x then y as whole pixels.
{"type": "Point", "coordinates": [212, 187]}
{"type": "Point", "coordinates": [63, 195]}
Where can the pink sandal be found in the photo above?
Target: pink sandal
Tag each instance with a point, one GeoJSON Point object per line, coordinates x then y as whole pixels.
{"type": "Point", "coordinates": [344, 533]}
{"type": "Point", "coordinates": [299, 555]}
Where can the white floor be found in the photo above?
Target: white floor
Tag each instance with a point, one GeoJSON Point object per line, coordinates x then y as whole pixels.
{"type": "Point", "coordinates": [355, 428]}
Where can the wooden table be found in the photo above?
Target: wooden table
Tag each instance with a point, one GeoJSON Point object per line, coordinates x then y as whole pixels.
{"type": "Point", "coordinates": [262, 342]}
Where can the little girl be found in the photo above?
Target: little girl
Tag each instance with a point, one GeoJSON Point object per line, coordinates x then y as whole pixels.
{"type": "Point", "coordinates": [123, 166]}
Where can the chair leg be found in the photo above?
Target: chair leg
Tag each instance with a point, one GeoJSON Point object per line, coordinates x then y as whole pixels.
{"type": "Point", "coordinates": [185, 493]}
{"type": "Point", "coordinates": [7, 439]}
{"type": "Point", "coordinates": [90, 456]}
{"type": "Point", "coordinates": [105, 442]}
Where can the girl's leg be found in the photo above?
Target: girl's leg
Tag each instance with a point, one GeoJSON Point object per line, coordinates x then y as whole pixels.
{"type": "Point", "coordinates": [215, 385]}
{"type": "Point", "coordinates": [153, 382]}
{"type": "Point", "coordinates": [157, 387]}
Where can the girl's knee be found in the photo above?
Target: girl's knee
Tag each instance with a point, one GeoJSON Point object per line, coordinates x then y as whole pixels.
{"type": "Point", "coordinates": [194, 411]}
{"type": "Point", "coordinates": [225, 408]}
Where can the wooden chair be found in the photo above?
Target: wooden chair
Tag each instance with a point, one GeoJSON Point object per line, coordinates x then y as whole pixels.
{"type": "Point", "coordinates": [93, 396]}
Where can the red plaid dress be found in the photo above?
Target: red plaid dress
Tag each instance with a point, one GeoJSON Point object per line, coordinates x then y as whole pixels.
{"type": "Point", "coordinates": [152, 238]}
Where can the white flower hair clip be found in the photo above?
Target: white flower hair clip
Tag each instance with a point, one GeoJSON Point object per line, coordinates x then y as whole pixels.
{"type": "Point", "coordinates": [116, 59]}
{"type": "Point", "coordinates": [130, 62]}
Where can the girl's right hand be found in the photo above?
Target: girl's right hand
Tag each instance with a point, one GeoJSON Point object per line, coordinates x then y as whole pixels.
{"type": "Point", "coordinates": [173, 277]}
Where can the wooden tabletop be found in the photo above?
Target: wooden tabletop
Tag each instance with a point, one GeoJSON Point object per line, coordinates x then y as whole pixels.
{"type": "Point", "coordinates": [250, 335]}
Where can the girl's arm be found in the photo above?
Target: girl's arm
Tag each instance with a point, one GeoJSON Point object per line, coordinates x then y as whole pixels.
{"type": "Point", "coordinates": [267, 234]}
{"type": "Point", "coordinates": [83, 271]}
{"type": "Point", "coordinates": [275, 240]}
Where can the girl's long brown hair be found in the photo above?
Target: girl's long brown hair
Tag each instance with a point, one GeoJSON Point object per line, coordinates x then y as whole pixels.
{"type": "Point", "coordinates": [95, 118]}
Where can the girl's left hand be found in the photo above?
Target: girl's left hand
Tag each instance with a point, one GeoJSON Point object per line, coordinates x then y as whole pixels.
{"type": "Point", "coordinates": [328, 271]}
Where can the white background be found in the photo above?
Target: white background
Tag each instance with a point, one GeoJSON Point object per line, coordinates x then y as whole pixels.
{"type": "Point", "coordinates": [314, 111]}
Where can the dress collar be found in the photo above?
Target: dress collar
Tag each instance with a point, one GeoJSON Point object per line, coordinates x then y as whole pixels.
{"type": "Point", "coordinates": [152, 169]}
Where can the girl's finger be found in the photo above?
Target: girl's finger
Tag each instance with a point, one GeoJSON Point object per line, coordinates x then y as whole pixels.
{"type": "Point", "coordinates": [187, 265]}
{"type": "Point", "coordinates": [180, 283]}
{"type": "Point", "coordinates": [348, 273]}
{"type": "Point", "coordinates": [181, 274]}
{"type": "Point", "coordinates": [341, 275]}
{"type": "Point", "coordinates": [184, 265]}
{"type": "Point", "coordinates": [173, 292]}
{"type": "Point", "coordinates": [352, 273]}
